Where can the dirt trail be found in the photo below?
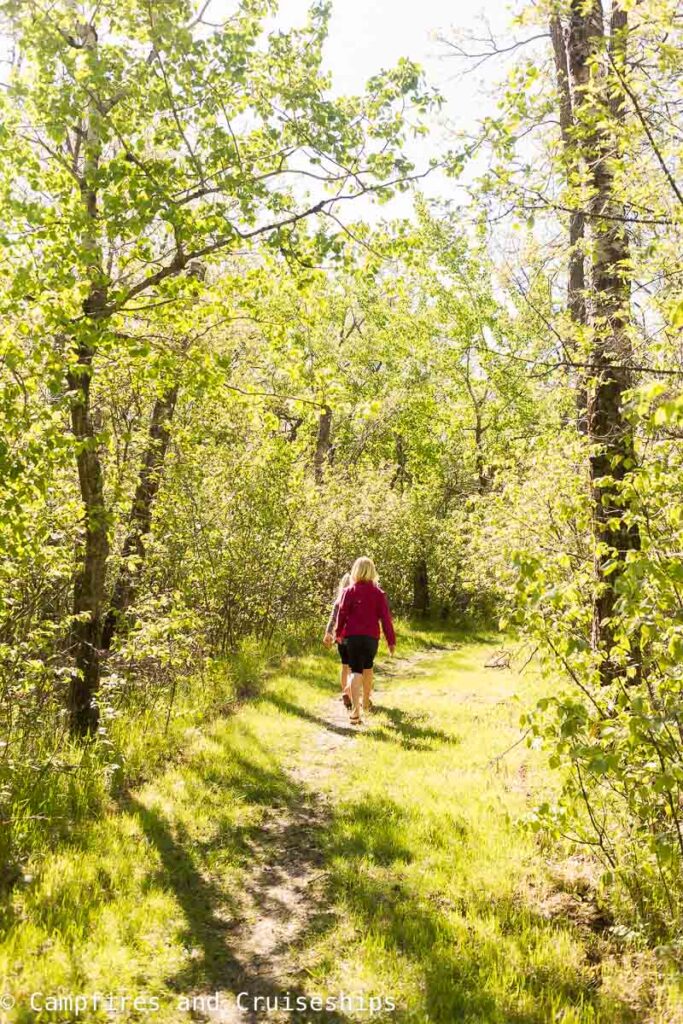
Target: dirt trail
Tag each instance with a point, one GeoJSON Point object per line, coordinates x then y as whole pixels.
{"type": "Point", "coordinates": [284, 896]}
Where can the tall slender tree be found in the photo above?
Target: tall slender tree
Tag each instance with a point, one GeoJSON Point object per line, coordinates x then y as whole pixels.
{"type": "Point", "coordinates": [576, 275]}
{"type": "Point", "coordinates": [599, 107]}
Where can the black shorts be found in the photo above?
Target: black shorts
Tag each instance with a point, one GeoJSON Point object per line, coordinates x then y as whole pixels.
{"type": "Point", "coordinates": [343, 652]}
{"type": "Point", "coordinates": [361, 651]}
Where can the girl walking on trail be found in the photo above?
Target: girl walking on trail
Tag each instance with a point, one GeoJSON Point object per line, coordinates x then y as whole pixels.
{"type": "Point", "coordinates": [331, 633]}
{"type": "Point", "coordinates": [362, 609]}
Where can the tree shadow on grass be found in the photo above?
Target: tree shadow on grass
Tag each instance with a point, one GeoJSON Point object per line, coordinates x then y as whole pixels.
{"type": "Point", "coordinates": [290, 708]}
{"type": "Point", "coordinates": [206, 909]}
{"type": "Point", "coordinates": [403, 729]}
{"type": "Point", "coordinates": [280, 854]}
{"type": "Point", "coordinates": [375, 830]}
{"type": "Point", "coordinates": [409, 727]}
{"type": "Point", "coordinates": [459, 949]}
{"type": "Point", "coordinates": [366, 848]}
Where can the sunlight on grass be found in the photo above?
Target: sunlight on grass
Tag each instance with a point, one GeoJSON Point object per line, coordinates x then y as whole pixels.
{"type": "Point", "coordinates": [434, 891]}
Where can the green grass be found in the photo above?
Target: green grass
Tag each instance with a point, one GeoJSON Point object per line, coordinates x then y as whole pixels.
{"type": "Point", "coordinates": [430, 893]}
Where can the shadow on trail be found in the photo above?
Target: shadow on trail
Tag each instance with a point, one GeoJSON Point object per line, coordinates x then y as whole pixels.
{"type": "Point", "coordinates": [205, 908]}
{"type": "Point", "coordinates": [364, 847]}
{"type": "Point", "coordinates": [281, 851]}
{"type": "Point", "coordinates": [402, 728]}
{"type": "Point", "coordinates": [409, 727]}
{"type": "Point", "coordinates": [289, 708]}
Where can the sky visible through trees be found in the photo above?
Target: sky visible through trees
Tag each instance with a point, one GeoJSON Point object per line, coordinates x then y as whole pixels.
{"type": "Point", "coordinates": [279, 288]}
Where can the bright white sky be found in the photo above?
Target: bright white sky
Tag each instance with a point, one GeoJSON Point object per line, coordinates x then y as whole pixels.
{"type": "Point", "coordinates": [368, 35]}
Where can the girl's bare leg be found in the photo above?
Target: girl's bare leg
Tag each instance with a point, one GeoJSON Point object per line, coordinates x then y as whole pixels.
{"type": "Point", "coordinates": [356, 685]}
{"type": "Point", "coordinates": [367, 687]}
{"type": "Point", "coordinates": [345, 669]}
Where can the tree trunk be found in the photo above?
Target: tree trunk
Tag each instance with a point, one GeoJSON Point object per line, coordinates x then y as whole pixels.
{"type": "Point", "coordinates": [322, 447]}
{"type": "Point", "coordinates": [89, 583]}
{"type": "Point", "coordinates": [88, 600]}
{"type": "Point", "coordinates": [420, 587]}
{"type": "Point", "coordinates": [608, 429]}
{"type": "Point", "coordinates": [401, 476]}
{"type": "Point", "coordinates": [149, 481]}
{"type": "Point", "coordinates": [602, 111]}
{"type": "Point", "coordinates": [566, 54]}
{"type": "Point", "coordinates": [479, 456]}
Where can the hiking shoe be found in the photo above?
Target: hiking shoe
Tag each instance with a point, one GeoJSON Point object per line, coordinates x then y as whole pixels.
{"type": "Point", "coordinates": [347, 701]}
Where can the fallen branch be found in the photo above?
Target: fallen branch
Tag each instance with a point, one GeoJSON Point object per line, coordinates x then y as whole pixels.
{"type": "Point", "coordinates": [499, 757]}
{"type": "Point", "coordinates": [500, 660]}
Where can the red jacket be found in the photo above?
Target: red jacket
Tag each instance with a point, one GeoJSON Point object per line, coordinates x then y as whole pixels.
{"type": "Point", "coordinates": [363, 606]}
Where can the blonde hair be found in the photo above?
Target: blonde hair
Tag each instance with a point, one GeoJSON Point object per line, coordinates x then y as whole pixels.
{"type": "Point", "coordinates": [364, 570]}
{"type": "Point", "coordinates": [343, 584]}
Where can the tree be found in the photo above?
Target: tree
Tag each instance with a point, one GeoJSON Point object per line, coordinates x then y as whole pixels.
{"type": "Point", "coordinates": [142, 145]}
{"type": "Point", "coordinates": [599, 111]}
{"type": "Point", "coordinates": [563, 49]}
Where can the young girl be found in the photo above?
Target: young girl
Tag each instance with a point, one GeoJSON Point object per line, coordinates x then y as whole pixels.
{"type": "Point", "coordinates": [331, 633]}
{"type": "Point", "coordinates": [363, 607]}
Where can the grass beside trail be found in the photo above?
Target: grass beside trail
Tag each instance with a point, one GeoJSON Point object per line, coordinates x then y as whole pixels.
{"type": "Point", "coordinates": [425, 891]}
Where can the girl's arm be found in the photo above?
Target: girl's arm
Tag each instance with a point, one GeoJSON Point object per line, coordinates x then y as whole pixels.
{"type": "Point", "coordinates": [386, 620]}
{"type": "Point", "coordinates": [343, 613]}
{"type": "Point", "coordinates": [332, 621]}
